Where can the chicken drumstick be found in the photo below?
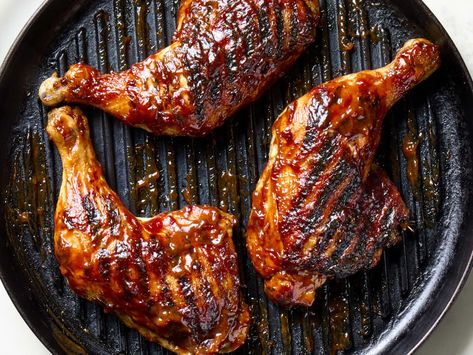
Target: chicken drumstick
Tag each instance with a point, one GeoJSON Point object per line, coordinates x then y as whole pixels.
{"type": "Point", "coordinates": [173, 277]}
{"type": "Point", "coordinates": [321, 209]}
{"type": "Point", "coordinates": [224, 54]}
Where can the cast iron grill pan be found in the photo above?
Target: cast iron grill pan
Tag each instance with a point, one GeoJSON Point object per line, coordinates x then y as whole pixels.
{"type": "Point", "coordinates": [388, 309]}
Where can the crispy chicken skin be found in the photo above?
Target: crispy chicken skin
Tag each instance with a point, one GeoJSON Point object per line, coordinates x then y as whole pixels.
{"type": "Point", "coordinates": [173, 277]}
{"type": "Point", "coordinates": [224, 54]}
{"type": "Point", "coordinates": [321, 209]}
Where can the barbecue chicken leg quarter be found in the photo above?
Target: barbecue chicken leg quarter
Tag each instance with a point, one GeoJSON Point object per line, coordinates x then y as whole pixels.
{"type": "Point", "coordinates": [321, 209]}
{"type": "Point", "coordinates": [174, 277]}
{"type": "Point", "coordinates": [224, 54]}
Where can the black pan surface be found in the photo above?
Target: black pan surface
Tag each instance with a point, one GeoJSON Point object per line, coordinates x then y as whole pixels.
{"type": "Point", "coordinates": [389, 309]}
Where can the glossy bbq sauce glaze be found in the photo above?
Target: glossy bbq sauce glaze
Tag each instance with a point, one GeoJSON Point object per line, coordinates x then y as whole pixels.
{"type": "Point", "coordinates": [227, 52]}
{"type": "Point", "coordinates": [173, 277]}
{"type": "Point", "coordinates": [321, 209]}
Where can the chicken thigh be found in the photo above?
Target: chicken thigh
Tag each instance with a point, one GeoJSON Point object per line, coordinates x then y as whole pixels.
{"type": "Point", "coordinates": [321, 209]}
{"type": "Point", "coordinates": [223, 56]}
{"type": "Point", "coordinates": [173, 277]}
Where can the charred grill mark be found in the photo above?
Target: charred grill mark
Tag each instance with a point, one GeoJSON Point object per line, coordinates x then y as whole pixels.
{"type": "Point", "coordinates": [113, 218]}
{"type": "Point", "coordinates": [330, 155]}
{"type": "Point", "coordinates": [279, 27]}
{"type": "Point", "coordinates": [143, 278]}
{"type": "Point", "coordinates": [345, 261]}
{"type": "Point", "coordinates": [130, 270]}
{"type": "Point", "coordinates": [307, 224]}
{"type": "Point", "coordinates": [372, 221]}
{"type": "Point", "coordinates": [319, 258]}
{"type": "Point", "coordinates": [250, 29]}
{"type": "Point", "coordinates": [208, 270]}
{"type": "Point", "coordinates": [93, 214]}
{"type": "Point", "coordinates": [317, 117]}
{"type": "Point", "coordinates": [231, 59]}
{"type": "Point", "coordinates": [206, 301]}
{"type": "Point", "coordinates": [104, 259]}
{"type": "Point", "coordinates": [239, 19]}
{"type": "Point", "coordinates": [342, 175]}
{"type": "Point", "coordinates": [265, 28]}
{"type": "Point", "coordinates": [190, 56]}
{"type": "Point", "coordinates": [121, 256]}
{"type": "Point", "coordinates": [191, 311]}
{"type": "Point", "coordinates": [215, 89]}
{"type": "Point", "coordinates": [294, 30]}
{"type": "Point", "coordinates": [348, 259]}
{"type": "Point", "coordinates": [325, 155]}
{"type": "Point", "coordinates": [332, 263]}
{"type": "Point", "coordinates": [342, 209]}
{"type": "Point", "coordinates": [311, 137]}
{"type": "Point", "coordinates": [274, 13]}
{"type": "Point", "coordinates": [361, 255]}
{"type": "Point", "coordinates": [166, 296]}
{"type": "Point", "coordinates": [349, 193]}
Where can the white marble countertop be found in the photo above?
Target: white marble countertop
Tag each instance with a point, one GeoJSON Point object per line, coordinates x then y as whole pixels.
{"type": "Point", "coordinates": [454, 335]}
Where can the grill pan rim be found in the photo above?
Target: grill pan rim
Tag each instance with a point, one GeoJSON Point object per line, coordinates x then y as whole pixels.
{"type": "Point", "coordinates": [469, 265]}
{"type": "Point", "coordinates": [36, 20]}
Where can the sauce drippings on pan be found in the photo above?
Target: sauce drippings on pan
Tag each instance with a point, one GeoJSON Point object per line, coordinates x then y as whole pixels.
{"type": "Point", "coordinates": [359, 27]}
{"type": "Point", "coordinates": [307, 327]}
{"type": "Point", "coordinates": [285, 332]}
{"type": "Point", "coordinates": [29, 190]}
{"type": "Point", "coordinates": [339, 311]}
{"type": "Point", "coordinates": [410, 146]}
{"type": "Point", "coordinates": [263, 328]}
{"type": "Point", "coordinates": [431, 181]}
{"type": "Point", "coordinates": [144, 179]}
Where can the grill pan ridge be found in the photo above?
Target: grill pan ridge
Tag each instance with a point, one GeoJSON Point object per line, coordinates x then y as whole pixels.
{"type": "Point", "coordinates": [389, 309]}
